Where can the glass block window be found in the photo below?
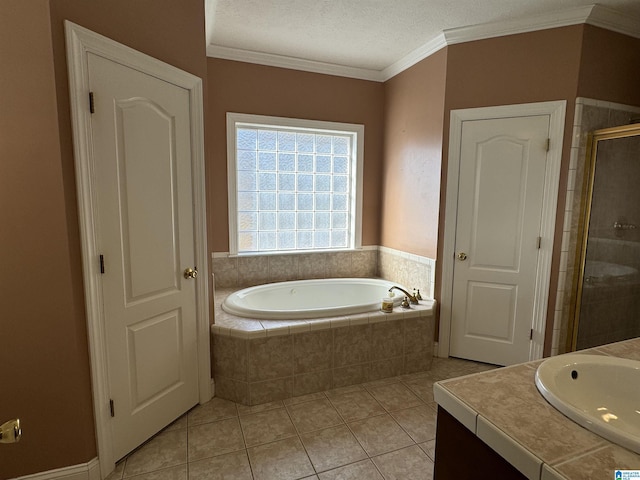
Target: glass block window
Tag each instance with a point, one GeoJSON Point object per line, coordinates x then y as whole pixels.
{"type": "Point", "coordinates": [293, 184]}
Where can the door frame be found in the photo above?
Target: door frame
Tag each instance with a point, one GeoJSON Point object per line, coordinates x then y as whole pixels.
{"type": "Point", "coordinates": [81, 42]}
{"type": "Point", "coordinates": [556, 110]}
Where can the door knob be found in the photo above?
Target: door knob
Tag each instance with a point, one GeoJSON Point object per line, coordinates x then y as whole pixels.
{"type": "Point", "coordinates": [10, 432]}
{"type": "Point", "coordinates": [191, 273]}
{"type": "Point", "coordinates": [462, 256]}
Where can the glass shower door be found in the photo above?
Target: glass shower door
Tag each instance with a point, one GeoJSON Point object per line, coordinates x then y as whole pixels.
{"type": "Point", "coordinates": [609, 303]}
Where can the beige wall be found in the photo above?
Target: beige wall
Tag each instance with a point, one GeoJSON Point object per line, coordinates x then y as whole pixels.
{"type": "Point", "coordinates": [44, 364]}
{"type": "Point", "coordinates": [246, 88]}
{"type": "Point", "coordinates": [609, 67]}
{"type": "Point", "coordinates": [414, 106]}
{"type": "Point", "coordinates": [530, 67]}
{"type": "Point", "coordinates": [164, 29]}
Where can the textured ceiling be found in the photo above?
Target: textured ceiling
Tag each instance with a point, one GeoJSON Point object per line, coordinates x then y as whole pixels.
{"type": "Point", "coordinates": [365, 34]}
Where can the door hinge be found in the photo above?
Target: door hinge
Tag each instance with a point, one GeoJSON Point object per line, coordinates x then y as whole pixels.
{"type": "Point", "coordinates": [101, 263]}
{"type": "Point", "coordinates": [530, 338]}
{"type": "Point", "coordinates": [92, 108]}
{"type": "Point", "coordinates": [539, 242]}
{"type": "Point", "coordinates": [547, 145]}
{"type": "Point", "coordinates": [112, 410]}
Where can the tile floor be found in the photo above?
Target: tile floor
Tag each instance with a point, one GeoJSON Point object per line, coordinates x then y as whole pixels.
{"type": "Point", "coordinates": [373, 431]}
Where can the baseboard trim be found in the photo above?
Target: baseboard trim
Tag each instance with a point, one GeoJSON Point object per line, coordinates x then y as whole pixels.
{"type": "Point", "coordinates": [83, 471]}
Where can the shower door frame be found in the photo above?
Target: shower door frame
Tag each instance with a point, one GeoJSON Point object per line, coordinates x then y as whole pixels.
{"type": "Point", "coordinates": [611, 133]}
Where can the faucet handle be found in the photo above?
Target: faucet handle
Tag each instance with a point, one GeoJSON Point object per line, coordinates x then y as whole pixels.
{"type": "Point", "coordinates": [417, 294]}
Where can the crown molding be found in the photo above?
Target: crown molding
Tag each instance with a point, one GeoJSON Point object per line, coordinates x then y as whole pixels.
{"type": "Point", "coordinates": [293, 63]}
{"type": "Point", "coordinates": [209, 13]}
{"type": "Point", "coordinates": [409, 60]}
{"type": "Point", "coordinates": [595, 15]}
{"type": "Point", "coordinates": [545, 21]}
{"type": "Point", "coordinates": [615, 21]}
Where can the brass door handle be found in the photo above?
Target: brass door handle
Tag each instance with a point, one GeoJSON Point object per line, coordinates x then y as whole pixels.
{"type": "Point", "coordinates": [10, 432]}
{"type": "Point", "coordinates": [462, 256]}
{"type": "Point", "coordinates": [191, 273]}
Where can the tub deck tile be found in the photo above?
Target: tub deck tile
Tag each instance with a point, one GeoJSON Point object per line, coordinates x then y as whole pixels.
{"type": "Point", "coordinates": [339, 322]}
{"type": "Point", "coordinates": [358, 319]}
{"type": "Point", "coordinates": [319, 324]}
{"type": "Point", "coordinates": [299, 327]}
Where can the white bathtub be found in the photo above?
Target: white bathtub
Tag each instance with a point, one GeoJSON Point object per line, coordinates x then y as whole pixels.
{"type": "Point", "coordinates": [597, 270]}
{"type": "Point", "coordinates": [310, 298]}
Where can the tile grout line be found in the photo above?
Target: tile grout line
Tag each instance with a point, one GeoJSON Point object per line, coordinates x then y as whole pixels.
{"type": "Point", "coordinates": [387, 412]}
{"type": "Point", "coordinates": [315, 471]}
{"type": "Point", "coordinates": [246, 453]}
{"type": "Point", "coordinates": [364, 419]}
{"type": "Point", "coordinates": [187, 444]}
{"type": "Point", "coordinates": [345, 423]}
{"type": "Point", "coordinates": [244, 441]}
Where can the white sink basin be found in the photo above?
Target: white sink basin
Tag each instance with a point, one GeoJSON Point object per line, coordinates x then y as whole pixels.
{"type": "Point", "coordinates": [600, 393]}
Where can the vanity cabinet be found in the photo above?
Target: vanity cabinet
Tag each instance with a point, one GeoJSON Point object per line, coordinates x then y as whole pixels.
{"type": "Point", "coordinates": [460, 454]}
{"type": "Point", "coordinates": [497, 425]}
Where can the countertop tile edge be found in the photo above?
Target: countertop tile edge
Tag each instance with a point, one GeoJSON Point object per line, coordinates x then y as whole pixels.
{"type": "Point", "coordinates": [460, 410]}
{"type": "Point", "coordinates": [526, 462]}
{"type": "Point", "coordinates": [550, 473]}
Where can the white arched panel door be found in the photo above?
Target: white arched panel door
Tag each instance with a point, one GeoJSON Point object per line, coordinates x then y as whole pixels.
{"type": "Point", "coordinates": [500, 201]}
{"type": "Point", "coordinates": [143, 190]}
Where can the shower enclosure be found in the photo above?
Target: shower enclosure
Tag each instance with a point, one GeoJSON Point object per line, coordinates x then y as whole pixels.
{"type": "Point", "coordinates": [608, 300]}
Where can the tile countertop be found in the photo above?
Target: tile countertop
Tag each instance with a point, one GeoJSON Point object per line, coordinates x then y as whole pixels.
{"type": "Point", "coordinates": [505, 410]}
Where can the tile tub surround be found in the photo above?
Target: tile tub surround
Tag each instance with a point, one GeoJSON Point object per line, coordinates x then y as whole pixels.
{"type": "Point", "coordinates": [247, 271]}
{"type": "Point", "coordinates": [505, 410]}
{"type": "Point", "coordinates": [258, 361]}
{"type": "Point", "coordinates": [412, 271]}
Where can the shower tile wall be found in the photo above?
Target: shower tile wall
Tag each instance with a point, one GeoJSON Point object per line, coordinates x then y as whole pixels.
{"type": "Point", "coordinates": [590, 115]}
{"type": "Point", "coordinates": [616, 193]}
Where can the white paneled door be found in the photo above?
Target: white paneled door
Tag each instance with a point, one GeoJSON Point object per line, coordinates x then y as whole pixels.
{"type": "Point", "coordinates": [141, 142]}
{"type": "Point", "coordinates": [500, 200]}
